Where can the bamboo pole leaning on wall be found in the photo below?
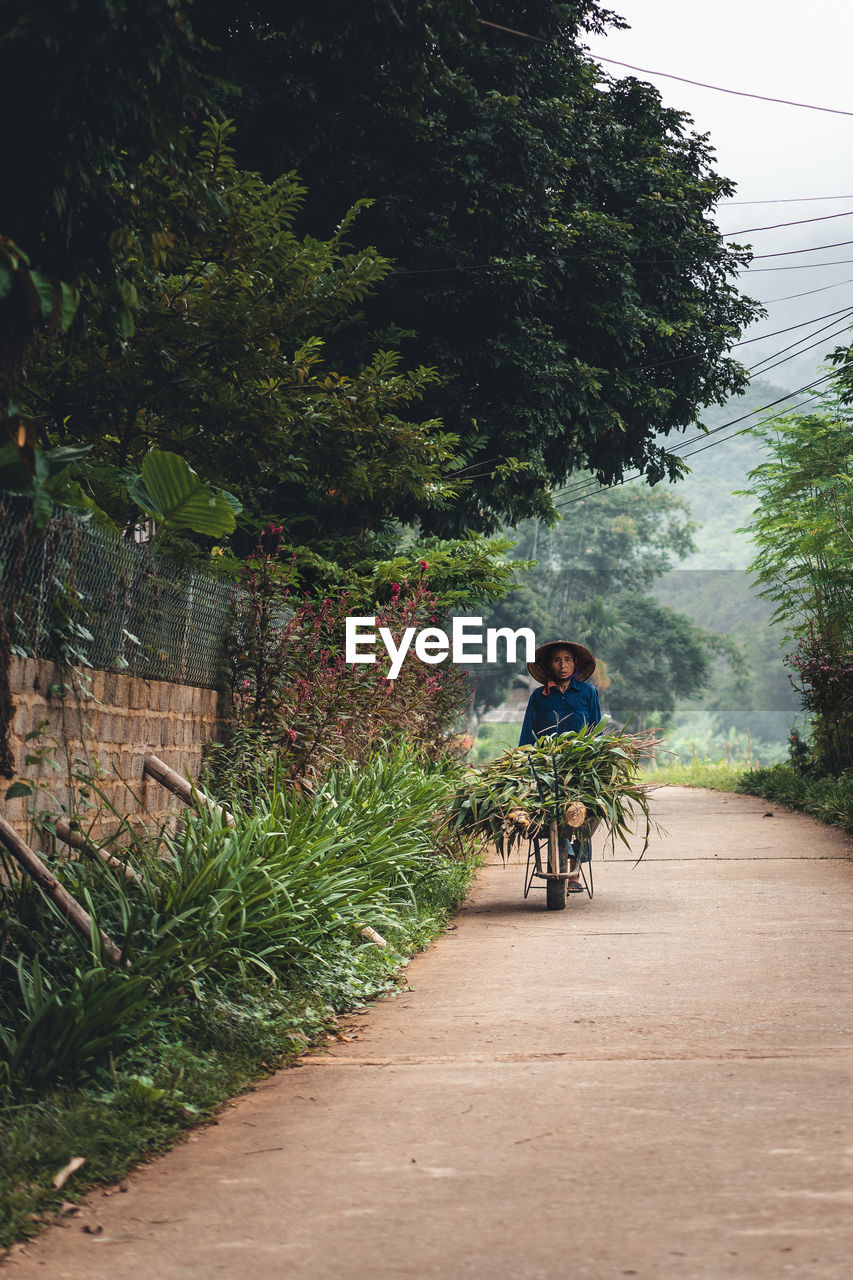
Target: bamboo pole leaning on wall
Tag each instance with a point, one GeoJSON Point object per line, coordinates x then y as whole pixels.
{"type": "Point", "coordinates": [68, 835]}
{"type": "Point", "coordinates": [48, 883]}
{"type": "Point", "coordinates": [182, 787]}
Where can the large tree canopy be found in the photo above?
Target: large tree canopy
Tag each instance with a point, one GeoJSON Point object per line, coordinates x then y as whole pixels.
{"type": "Point", "coordinates": [88, 91]}
{"type": "Point", "coordinates": [225, 365]}
{"type": "Point", "coordinates": [556, 256]}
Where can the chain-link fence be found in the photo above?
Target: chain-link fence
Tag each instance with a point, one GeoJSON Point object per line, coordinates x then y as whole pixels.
{"type": "Point", "coordinates": [78, 592]}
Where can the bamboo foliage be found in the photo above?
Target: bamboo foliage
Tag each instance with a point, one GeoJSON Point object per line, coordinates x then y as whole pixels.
{"type": "Point", "coordinates": [803, 530]}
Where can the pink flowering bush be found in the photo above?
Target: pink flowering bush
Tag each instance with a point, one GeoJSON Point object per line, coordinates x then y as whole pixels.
{"type": "Point", "coordinates": [296, 698]}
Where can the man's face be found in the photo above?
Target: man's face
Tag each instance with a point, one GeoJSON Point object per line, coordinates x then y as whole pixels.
{"type": "Point", "coordinates": [561, 664]}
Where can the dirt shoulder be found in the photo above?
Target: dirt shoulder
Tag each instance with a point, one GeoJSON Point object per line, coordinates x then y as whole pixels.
{"type": "Point", "coordinates": [654, 1082]}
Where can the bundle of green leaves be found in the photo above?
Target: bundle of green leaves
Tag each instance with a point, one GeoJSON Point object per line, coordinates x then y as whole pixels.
{"type": "Point", "coordinates": [520, 793]}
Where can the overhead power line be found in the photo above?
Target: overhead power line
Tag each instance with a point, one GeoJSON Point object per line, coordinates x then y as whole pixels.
{"type": "Point", "coordinates": [769, 302]}
{"type": "Point", "coordinates": [668, 75]}
{"type": "Point", "coordinates": [744, 342]}
{"type": "Point", "coordinates": [798, 222]}
{"type": "Point", "coordinates": [736, 421]}
{"type": "Point", "coordinates": [585, 488]}
{"type": "Point", "coordinates": [805, 266]}
{"type": "Point", "coordinates": [512, 31]}
{"type": "Point", "coordinates": [827, 337]}
{"type": "Point", "coordinates": [589, 485]}
{"type": "Point", "coordinates": [738, 93]}
{"type": "Point", "coordinates": [813, 248]}
{"type": "Point", "coordinates": [783, 200]}
{"type": "Point", "coordinates": [637, 262]}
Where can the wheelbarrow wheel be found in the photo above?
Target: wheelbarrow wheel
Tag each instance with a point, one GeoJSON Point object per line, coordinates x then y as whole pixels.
{"type": "Point", "coordinates": [558, 860]}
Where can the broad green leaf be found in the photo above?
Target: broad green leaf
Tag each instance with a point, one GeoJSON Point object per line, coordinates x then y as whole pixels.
{"type": "Point", "coordinates": [170, 491]}
{"type": "Point", "coordinates": [42, 501]}
{"type": "Point", "coordinates": [18, 789]}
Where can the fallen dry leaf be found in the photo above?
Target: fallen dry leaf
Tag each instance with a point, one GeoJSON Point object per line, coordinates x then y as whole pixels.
{"type": "Point", "coordinates": [92, 1228]}
{"type": "Point", "coordinates": [66, 1171]}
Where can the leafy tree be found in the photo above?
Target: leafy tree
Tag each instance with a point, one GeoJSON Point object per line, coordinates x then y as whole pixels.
{"type": "Point", "coordinates": [103, 84]}
{"type": "Point", "coordinates": [629, 536]}
{"type": "Point", "coordinates": [226, 364]}
{"type": "Point", "coordinates": [655, 658]}
{"type": "Point", "coordinates": [556, 257]}
{"type": "Point", "coordinates": [588, 582]}
{"type": "Point", "coordinates": [749, 687]}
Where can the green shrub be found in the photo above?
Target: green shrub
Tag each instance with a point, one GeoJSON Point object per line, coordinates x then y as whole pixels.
{"type": "Point", "coordinates": [830, 799]}
{"type": "Point", "coordinates": [280, 894]}
{"type": "Point", "coordinates": [244, 944]}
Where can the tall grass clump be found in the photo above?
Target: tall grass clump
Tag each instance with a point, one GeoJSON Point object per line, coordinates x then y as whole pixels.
{"type": "Point", "coordinates": [240, 945]}
{"type": "Point", "coordinates": [264, 898]}
{"type": "Point", "coordinates": [295, 871]}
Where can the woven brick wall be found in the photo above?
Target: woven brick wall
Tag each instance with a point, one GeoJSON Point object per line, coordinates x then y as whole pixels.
{"type": "Point", "coordinates": [120, 721]}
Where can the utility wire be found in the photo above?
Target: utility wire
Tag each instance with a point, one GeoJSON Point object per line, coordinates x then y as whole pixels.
{"type": "Point", "coordinates": [844, 327]}
{"type": "Point", "coordinates": [744, 342]}
{"type": "Point", "coordinates": [637, 262]}
{"type": "Point", "coordinates": [769, 302]}
{"type": "Point", "coordinates": [666, 364]}
{"type": "Point", "coordinates": [756, 369]}
{"type": "Point", "coordinates": [758, 372]}
{"type": "Point", "coordinates": [667, 75]}
{"type": "Point", "coordinates": [784, 200]}
{"type": "Point", "coordinates": [738, 93]}
{"type": "Point", "coordinates": [805, 266]}
{"type": "Point", "coordinates": [512, 31]}
{"type": "Point", "coordinates": [774, 418]}
{"type": "Point", "coordinates": [590, 486]}
{"type": "Point", "coordinates": [789, 253]}
{"type": "Point", "coordinates": [735, 421]}
{"type": "Point", "coordinates": [584, 488]}
{"type": "Point", "coordinates": [799, 222]}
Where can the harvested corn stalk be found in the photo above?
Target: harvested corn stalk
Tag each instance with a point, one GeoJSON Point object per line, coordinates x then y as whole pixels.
{"type": "Point", "coordinates": [515, 797]}
{"type": "Point", "coordinates": [575, 814]}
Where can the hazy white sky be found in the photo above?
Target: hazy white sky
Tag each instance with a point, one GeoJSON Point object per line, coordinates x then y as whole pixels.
{"type": "Point", "coordinates": [782, 49]}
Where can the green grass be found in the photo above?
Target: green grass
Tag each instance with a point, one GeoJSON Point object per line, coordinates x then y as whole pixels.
{"type": "Point", "coordinates": [718, 775]}
{"type": "Point", "coordinates": [492, 739]}
{"type": "Point", "coordinates": [202, 1053]}
{"type": "Point", "coordinates": [245, 947]}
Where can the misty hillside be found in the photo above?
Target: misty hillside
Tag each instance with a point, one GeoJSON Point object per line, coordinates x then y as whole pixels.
{"type": "Point", "coordinates": [717, 471]}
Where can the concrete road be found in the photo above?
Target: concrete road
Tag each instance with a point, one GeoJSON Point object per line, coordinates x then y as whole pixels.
{"type": "Point", "coordinates": [653, 1083]}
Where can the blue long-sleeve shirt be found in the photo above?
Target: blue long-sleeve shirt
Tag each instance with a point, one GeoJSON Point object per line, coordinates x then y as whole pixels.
{"type": "Point", "coordinates": [558, 712]}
